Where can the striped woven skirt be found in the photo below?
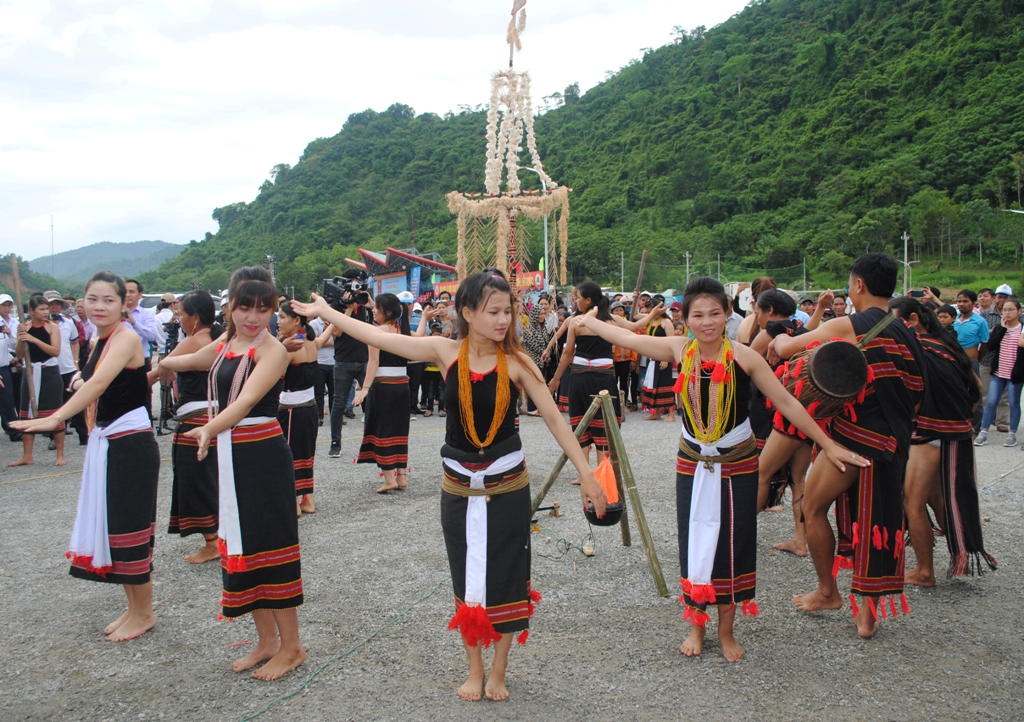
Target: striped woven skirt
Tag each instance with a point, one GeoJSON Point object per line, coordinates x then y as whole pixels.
{"type": "Point", "coordinates": [386, 430]}
{"type": "Point", "coordinates": [660, 394]}
{"type": "Point", "coordinates": [51, 394]}
{"type": "Point", "coordinates": [300, 424]}
{"type": "Point", "coordinates": [270, 576]}
{"type": "Point", "coordinates": [585, 386]}
{"type": "Point", "coordinates": [564, 386]}
{"type": "Point", "coordinates": [133, 468]}
{"type": "Point", "coordinates": [734, 573]}
{"type": "Point", "coordinates": [194, 483]}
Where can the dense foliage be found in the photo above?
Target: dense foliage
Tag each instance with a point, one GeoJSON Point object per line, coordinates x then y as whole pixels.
{"type": "Point", "coordinates": [798, 128]}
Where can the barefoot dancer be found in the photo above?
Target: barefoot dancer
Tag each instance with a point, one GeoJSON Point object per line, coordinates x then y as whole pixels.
{"type": "Point", "coordinates": [716, 467]}
{"type": "Point", "coordinates": [656, 388]}
{"type": "Point", "coordinates": [297, 414]}
{"type": "Point", "coordinates": [588, 358]}
{"type": "Point", "coordinates": [259, 533]}
{"type": "Point", "coordinates": [194, 482]}
{"type": "Point", "coordinates": [783, 446]}
{"type": "Point", "coordinates": [488, 543]}
{"type": "Point", "coordinates": [114, 528]}
{"type": "Point", "coordinates": [386, 433]}
{"type": "Point", "coordinates": [941, 470]}
{"type": "Point", "coordinates": [869, 508]}
{"type": "Point", "coordinates": [39, 341]}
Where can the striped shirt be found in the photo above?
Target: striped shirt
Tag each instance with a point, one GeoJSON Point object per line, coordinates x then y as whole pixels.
{"type": "Point", "coordinates": [1008, 352]}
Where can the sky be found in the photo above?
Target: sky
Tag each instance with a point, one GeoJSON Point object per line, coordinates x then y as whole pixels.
{"type": "Point", "coordinates": [132, 121]}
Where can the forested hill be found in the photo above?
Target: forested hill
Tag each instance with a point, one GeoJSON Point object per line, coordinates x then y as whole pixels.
{"type": "Point", "coordinates": [815, 128]}
{"type": "Point", "coordinates": [125, 259]}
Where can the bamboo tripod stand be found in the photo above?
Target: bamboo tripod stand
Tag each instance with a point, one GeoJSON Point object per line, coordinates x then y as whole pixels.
{"type": "Point", "coordinates": [623, 479]}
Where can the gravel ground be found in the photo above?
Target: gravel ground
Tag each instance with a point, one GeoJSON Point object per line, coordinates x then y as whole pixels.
{"type": "Point", "coordinates": [603, 645]}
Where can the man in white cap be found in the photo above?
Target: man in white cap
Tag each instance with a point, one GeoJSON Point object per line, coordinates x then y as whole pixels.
{"type": "Point", "coordinates": [8, 339]}
{"type": "Point", "coordinates": [990, 305]}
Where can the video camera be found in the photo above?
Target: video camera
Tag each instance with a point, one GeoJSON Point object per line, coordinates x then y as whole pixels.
{"type": "Point", "coordinates": [342, 291]}
{"type": "Point", "coordinates": [171, 328]}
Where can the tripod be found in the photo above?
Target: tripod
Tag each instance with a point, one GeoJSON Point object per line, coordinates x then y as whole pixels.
{"type": "Point", "coordinates": [166, 421]}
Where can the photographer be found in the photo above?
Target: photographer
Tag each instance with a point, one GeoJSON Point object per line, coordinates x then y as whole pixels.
{"type": "Point", "coordinates": [167, 319]}
{"type": "Point", "coordinates": [349, 296]}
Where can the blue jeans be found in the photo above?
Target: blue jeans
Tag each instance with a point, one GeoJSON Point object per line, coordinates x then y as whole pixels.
{"type": "Point", "coordinates": [995, 390]}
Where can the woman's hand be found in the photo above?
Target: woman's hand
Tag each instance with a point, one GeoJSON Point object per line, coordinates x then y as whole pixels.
{"type": "Point", "coordinates": [553, 385]}
{"type": "Point", "coordinates": [663, 365]}
{"type": "Point", "coordinates": [360, 395]}
{"type": "Point", "coordinates": [76, 379]}
{"type": "Point", "coordinates": [545, 355]}
{"type": "Point", "coordinates": [202, 435]}
{"type": "Point", "coordinates": [313, 309]}
{"type": "Point", "coordinates": [591, 490]}
{"type": "Point", "coordinates": [840, 456]}
{"type": "Point", "coordinates": [37, 426]}
{"type": "Point", "coordinates": [293, 343]}
{"type": "Point", "coordinates": [24, 335]}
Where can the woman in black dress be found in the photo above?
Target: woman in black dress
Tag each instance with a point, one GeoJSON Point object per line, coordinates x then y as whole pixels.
{"type": "Point", "coordinates": [39, 344]}
{"type": "Point", "coordinates": [485, 498]}
{"type": "Point", "coordinates": [297, 415]}
{"type": "Point", "coordinates": [112, 540]}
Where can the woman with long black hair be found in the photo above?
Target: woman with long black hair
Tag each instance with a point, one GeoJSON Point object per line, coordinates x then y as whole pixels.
{"type": "Point", "coordinates": [386, 389]}
{"type": "Point", "coordinates": [259, 532]}
{"type": "Point", "coordinates": [194, 481]}
{"type": "Point", "coordinates": [297, 414]}
{"type": "Point", "coordinates": [39, 345]}
{"type": "Point", "coordinates": [940, 469]}
{"type": "Point", "coordinates": [485, 497]}
{"type": "Point", "coordinates": [112, 540]}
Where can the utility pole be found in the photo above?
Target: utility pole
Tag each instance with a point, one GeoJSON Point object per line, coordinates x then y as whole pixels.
{"type": "Point", "coordinates": [687, 267]}
{"type": "Point", "coordinates": [622, 271]}
{"type": "Point", "coordinates": [805, 274]}
{"type": "Point", "coordinates": [52, 272]}
{"type": "Point", "coordinates": [271, 258]}
{"type": "Point", "coordinates": [719, 267]}
{"type": "Point", "coordinates": [906, 266]}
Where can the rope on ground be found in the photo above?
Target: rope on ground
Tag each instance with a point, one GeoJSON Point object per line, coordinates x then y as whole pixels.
{"type": "Point", "coordinates": [1003, 475]}
{"type": "Point", "coordinates": [563, 545]}
{"type": "Point", "coordinates": [347, 652]}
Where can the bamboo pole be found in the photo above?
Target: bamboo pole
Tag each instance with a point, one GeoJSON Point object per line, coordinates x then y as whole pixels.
{"type": "Point", "coordinates": [21, 319]}
{"type": "Point", "coordinates": [560, 462]}
{"type": "Point", "coordinates": [639, 282]}
{"type": "Point", "coordinates": [613, 456]}
{"type": "Point", "coordinates": [615, 441]}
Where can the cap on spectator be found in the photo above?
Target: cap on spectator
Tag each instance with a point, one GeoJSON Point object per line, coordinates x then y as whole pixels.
{"type": "Point", "coordinates": [645, 293]}
{"type": "Point", "coordinates": [615, 305]}
{"type": "Point", "coordinates": [224, 299]}
{"type": "Point", "coordinates": [1004, 290]}
{"type": "Point", "coordinates": [4, 298]}
{"type": "Point", "coordinates": [406, 297]}
{"type": "Point", "coordinates": [52, 296]}
{"type": "Point", "coordinates": [416, 308]}
{"type": "Point", "coordinates": [804, 298]}
{"type": "Point", "coordinates": [169, 297]}
{"type": "Point", "coordinates": [676, 306]}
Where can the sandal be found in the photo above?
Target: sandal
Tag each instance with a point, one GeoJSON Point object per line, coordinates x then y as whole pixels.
{"type": "Point", "coordinates": [442, 413]}
{"type": "Point", "coordinates": [427, 414]}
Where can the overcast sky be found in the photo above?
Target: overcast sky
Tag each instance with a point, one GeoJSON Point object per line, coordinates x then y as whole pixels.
{"type": "Point", "coordinates": [134, 120]}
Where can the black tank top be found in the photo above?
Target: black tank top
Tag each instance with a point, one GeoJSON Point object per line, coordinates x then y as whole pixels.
{"type": "Point", "coordinates": [300, 376]}
{"type": "Point", "coordinates": [593, 347]}
{"type": "Point", "coordinates": [191, 386]}
{"type": "Point", "coordinates": [127, 392]}
{"type": "Point", "coordinates": [456, 445]}
{"type": "Point", "coordinates": [391, 359]}
{"type": "Point", "coordinates": [741, 408]}
{"type": "Point", "coordinates": [35, 354]}
{"type": "Point", "coordinates": [267, 406]}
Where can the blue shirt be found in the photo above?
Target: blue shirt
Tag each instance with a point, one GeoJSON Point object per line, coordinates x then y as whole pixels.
{"type": "Point", "coordinates": [801, 317]}
{"type": "Point", "coordinates": [971, 332]}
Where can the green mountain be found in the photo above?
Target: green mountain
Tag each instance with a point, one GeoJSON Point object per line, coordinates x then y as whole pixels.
{"type": "Point", "coordinates": [797, 129]}
{"type": "Point", "coordinates": [31, 282]}
{"type": "Point", "coordinates": [124, 259]}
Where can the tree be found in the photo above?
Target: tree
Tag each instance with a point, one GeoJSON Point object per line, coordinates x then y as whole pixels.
{"type": "Point", "coordinates": [1017, 161]}
{"type": "Point", "coordinates": [737, 67]}
{"type": "Point", "coordinates": [279, 170]}
{"type": "Point", "coordinates": [571, 94]}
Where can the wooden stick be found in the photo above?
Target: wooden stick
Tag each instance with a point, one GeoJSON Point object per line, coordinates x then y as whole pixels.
{"type": "Point", "coordinates": [615, 441]}
{"type": "Point", "coordinates": [560, 462]}
{"type": "Point", "coordinates": [639, 284]}
{"type": "Point", "coordinates": [21, 320]}
{"type": "Point", "coordinates": [613, 456]}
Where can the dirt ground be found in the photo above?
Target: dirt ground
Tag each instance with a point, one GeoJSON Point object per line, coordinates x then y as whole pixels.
{"type": "Point", "coordinates": [603, 645]}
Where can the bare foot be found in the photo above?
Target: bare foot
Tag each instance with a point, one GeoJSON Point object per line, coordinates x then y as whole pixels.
{"type": "Point", "coordinates": [496, 689]}
{"type": "Point", "coordinates": [259, 653]}
{"type": "Point", "coordinates": [693, 645]}
{"type": "Point", "coordinates": [402, 480]}
{"type": "Point", "coordinates": [386, 488]}
{"type": "Point", "coordinates": [298, 506]}
{"type": "Point", "coordinates": [280, 664]}
{"type": "Point", "coordinates": [23, 461]}
{"type": "Point", "coordinates": [731, 649]}
{"type": "Point", "coordinates": [792, 547]}
{"type": "Point", "coordinates": [867, 625]}
{"type": "Point", "coordinates": [471, 690]}
{"type": "Point", "coordinates": [134, 626]}
{"type": "Point", "coordinates": [817, 600]}
{"type": "Point", "coordinates": [207, 553]}
{"type": "Point", "coordinates": [308, 506]}
{"type": "Point", "coordinates": [60, 460]}
{"type": "Point", "coordinates": [670, 418]}
{"type": "Point", "coordinates": [776, 508]}
{"type": "Point", "coordinates": [918, 578]}
{"type": "Point", "coordinates": [113, 626]}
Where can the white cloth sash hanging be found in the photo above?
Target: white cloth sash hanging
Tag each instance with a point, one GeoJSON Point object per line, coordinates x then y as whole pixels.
{"type": "Point", "coordinates": [594, 363]}
{"type": "Point", "coordinates": [706, 506]}
{"type": "Point", "coordinates": [230, 529]}
{"type": "Point", "coordinates": [294, 398]}
{"type": "Point", "coordinates": [476, 523]}
{"type": "Point", "coordinates": [391, 371]}
{"type": "Point", "coordinates": [89, 538]}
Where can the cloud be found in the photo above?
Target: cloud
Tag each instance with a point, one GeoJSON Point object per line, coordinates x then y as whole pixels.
{"type": "Point", "coordinates": [134, 120]}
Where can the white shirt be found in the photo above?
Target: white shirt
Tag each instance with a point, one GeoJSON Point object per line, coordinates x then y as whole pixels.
{"type": "Point", "coordinates": [732, 325]}
{"type": "Point", "coordinates": [8, 340]}
{"type": "Point", "coordinates": [165, 316]}
{"type": "Point", "coordinates": [68, 333]}
{"type": "Point", "coordinates": [325, 355]}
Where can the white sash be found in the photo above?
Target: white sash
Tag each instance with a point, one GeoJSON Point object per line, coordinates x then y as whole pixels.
{"type": "Point", "coordinates": [706, 505]}
{"type": "Point", "coordinates": [392, 371]}
{"type": "Point", "coordinates": [476, 524]}
{"type": "Point", "coordinates": [594, 363]}
{"type": "Point", "coordinates": [230, 529]}
{"type": "Point", "coordinates": [190, 406]}
{"type": "Point", "coordinates": [37, 385]}
{"type": "Point", "coordinates": [294, 398]}
{"type": "Point", "coordinates": [649, 376]}
{"type": "Point", "coordinates": [89, 537]}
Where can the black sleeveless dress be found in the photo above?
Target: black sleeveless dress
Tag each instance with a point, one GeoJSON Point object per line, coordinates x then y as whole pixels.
{"type": "Point", "coordinates": [509, 599]}
{"type": "Point", "coordinates": [659, 395]}
{"type": "Point", "coordinates": [133, 469]}
{"type": "Point", "coordinates": [194, 482]}
{"type": "Point", "coordinates": [269, 575]}
{"type": "Point", "coordinates": [386, 430]}
{"type": "Point", "coordinates": [47, 379]}
{"type": "Point", "coordinates": [588, 382]}
{"type": "Point", "coordinates": [300, 424]}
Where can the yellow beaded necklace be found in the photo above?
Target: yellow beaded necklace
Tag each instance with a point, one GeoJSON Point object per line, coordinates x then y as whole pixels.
{"type": "Point", "coordinates": [721, 390]}
{"type": "Point", "coordinates": [502, 397]}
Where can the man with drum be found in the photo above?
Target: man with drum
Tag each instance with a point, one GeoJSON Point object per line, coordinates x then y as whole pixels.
{"type": "Point", "coordinates": [878, 425]}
